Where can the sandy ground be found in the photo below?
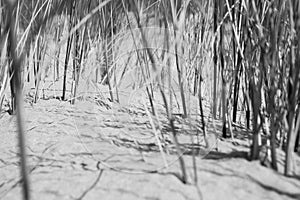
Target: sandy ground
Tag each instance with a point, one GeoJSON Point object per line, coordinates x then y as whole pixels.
{"type": "Point", "coordinates": [110, 151]}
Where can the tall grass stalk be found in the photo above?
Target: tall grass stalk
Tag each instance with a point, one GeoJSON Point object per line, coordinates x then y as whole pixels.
{"type": "Point", "coordinates": [16, 81]}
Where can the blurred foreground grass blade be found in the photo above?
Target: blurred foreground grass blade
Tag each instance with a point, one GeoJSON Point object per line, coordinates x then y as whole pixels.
{"type": "Point", "coordinates": [16, 67]}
